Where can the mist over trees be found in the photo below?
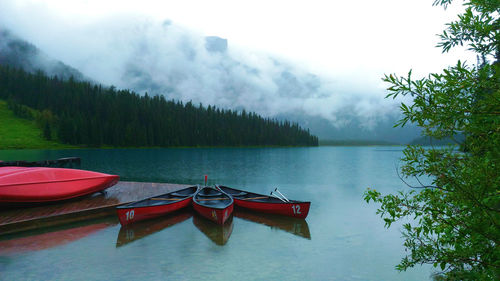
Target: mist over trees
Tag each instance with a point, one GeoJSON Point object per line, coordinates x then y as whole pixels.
{"type": "Point", "coordinates": [82, 113]}
{"type": "Point", "coordinates": [19, 53]}
{"type": "Point", "coordinates": [206, 70]}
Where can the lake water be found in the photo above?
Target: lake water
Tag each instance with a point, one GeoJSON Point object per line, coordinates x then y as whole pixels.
{"type": "Point", "coordinates": [341, 239]}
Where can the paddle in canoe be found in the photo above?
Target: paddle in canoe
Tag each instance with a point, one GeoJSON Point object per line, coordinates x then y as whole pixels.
{"type": "Point", "coordinates": [268, 204]}
{"type": "Point", "coordinates": [213, 204]}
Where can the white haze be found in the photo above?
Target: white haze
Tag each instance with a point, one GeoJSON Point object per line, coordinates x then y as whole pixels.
{"type": "Point", "coordinates": [131, 50]}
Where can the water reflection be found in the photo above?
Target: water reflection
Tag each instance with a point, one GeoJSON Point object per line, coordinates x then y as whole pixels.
{"type": "Point", "coordinates": [51, 237]}
{"type": "Point", "coordinates": [138, 230]}
{"type": "Point", "coordinates": [291, 225]}
{"type": "Point", "coordinates": [219, 234]}
{"type": "Point", "coordinates": [350, 241]}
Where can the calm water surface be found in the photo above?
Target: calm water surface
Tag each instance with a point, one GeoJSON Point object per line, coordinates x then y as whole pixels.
{"type": "Point", "coordinates": [341, 239]}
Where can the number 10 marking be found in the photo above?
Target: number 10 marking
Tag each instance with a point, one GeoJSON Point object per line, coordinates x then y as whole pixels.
{"type": "Point", "coordinates": [130, 215]}
{"type": "Point", "coordinates": [296, 209]}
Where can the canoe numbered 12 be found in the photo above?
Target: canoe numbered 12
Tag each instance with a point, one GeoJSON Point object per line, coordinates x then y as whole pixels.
{"type": "Point", "coordinates": [268, 204]}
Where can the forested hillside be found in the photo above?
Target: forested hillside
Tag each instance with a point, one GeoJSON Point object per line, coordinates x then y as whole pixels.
{"type": "Point", "coordinates": [82, 113]}
{"type": "Point", "coordinates": [16, 52]}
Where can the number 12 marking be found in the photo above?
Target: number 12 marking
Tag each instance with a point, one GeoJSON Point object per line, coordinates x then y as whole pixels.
{"type": "Point", "coordinates": [296, 209]}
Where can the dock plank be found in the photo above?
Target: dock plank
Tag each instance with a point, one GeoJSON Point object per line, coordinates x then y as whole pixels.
{"type": "Point", "coordinates": [93, 206]}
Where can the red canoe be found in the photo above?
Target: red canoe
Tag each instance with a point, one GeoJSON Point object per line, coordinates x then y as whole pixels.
{"type": "Point", "coordinates": [213, 204]}
{"type": "Point", "coordinates": [218, 233]}
{"type": "Point", "coordinates": [268, 204]}
{"type": "Point", "coordinates": [155, 206]}
{"type": "Point", "coordinates": [291, 225]}
{"type": "Point", "coordinates": [135, 231]}
{"type": "Point", "coordinates": [26, 185]}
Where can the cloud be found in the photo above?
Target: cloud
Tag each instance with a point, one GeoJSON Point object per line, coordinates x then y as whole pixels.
{"type": "Point", "coordinates": [161, 57]}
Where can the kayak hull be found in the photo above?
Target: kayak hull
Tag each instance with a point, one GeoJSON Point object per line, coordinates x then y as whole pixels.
{"type": "Point", "coordinates": [35, 185]}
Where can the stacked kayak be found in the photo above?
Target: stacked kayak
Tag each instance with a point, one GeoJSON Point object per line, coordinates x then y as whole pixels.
{"type": "Point", "coordinates": [60, 163]}
{"type": "Point", "coordinates": [40, 184]}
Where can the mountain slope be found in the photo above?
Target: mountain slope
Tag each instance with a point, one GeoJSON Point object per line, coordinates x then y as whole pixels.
{"type": "Point", "coordinates": [17, 133]}
{"type": "Point", "coordinates": [81, 113]}
{"type": "Point", "coordinates": [18, 53]}
{"type": "Point", "coordinates": [169, 61]}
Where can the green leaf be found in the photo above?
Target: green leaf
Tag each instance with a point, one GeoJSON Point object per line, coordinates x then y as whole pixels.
{"type": "Point", "coordinates": [443, 265]}
{"type": "Point", "coordinates": [457, 221]}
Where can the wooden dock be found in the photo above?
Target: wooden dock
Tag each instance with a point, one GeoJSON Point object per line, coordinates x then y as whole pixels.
{"type": "Point", "coordinates": [89, 207]}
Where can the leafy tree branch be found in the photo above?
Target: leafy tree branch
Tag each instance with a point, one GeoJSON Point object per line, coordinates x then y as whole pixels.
{"type": "Point", "coordinates": [453, 223]}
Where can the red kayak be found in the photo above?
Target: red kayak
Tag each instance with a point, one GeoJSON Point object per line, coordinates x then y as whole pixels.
{"type": "Point", "coordinates": [37, 184]}
{"type": "Point", "coordinates": [213, 204]}
{"type": "Point", "coordinates": [268, 204]}
{"type": "Point", "coordinates": [39, 242]}
{"type": "Point", "coordinates": [155, 206]}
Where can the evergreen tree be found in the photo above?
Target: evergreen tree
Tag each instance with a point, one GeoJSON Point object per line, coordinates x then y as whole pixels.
{"type": "Point", "coordinates": [77, 112]}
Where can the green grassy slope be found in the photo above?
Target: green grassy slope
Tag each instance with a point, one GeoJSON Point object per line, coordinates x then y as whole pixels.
{"type": "Point", "coordinates": [17, 133]}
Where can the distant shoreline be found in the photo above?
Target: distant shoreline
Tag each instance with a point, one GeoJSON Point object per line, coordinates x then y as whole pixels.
{"type": "Point", "coordinates": [357, 143]}
{"type": "Point", "coordinates": [142, 147]}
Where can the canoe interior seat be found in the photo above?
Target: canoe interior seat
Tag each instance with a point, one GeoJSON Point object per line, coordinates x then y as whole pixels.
{"type": "Point", "coordinates": [154, 203]}
{"type": "Point", "coordinates": [216, 203]}
{"type": "Point", "coordinates": [238, 194]}
{"type": "Point", "coordinates": [213, 194]}
{"type": "Point", "coordinates": [180, 194]}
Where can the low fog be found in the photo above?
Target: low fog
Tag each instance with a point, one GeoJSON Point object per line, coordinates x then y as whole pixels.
{"type": "Point", "coordinates": [164, 58]}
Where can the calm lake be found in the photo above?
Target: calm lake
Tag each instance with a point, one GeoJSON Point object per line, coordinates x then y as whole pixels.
{"type": "Point", "coordinates": [341, 239]}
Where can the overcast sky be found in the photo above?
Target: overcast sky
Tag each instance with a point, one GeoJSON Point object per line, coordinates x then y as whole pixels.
{"type": "Point", "coordinates": [328, 36]}
{"type": "Point", "coordinates": [348, 44]}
